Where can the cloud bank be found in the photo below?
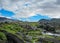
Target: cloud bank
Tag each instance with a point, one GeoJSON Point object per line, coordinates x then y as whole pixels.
{"type": "Point", "coordinates": [28, 8]}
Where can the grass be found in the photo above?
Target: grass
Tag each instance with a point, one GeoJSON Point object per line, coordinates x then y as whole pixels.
{"type": "Point", "coordinates": [2, 36]}
{"type": "Point", "coordinates": [13, 28]}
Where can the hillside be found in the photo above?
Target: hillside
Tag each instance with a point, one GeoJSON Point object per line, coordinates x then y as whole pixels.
{"type": "Point", "coordinates": [53, 23]}
{"type": "Point", "coordinates": [24, 32]}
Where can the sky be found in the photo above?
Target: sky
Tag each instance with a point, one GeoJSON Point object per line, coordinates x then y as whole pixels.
{"type": "Point", "coordinates": [30, 10]}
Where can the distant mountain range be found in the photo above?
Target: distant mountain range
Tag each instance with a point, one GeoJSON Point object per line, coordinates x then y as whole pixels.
{"type": "Point", "coordinates": [53, 20]}
{"type": "Point", "coordinates": [56, 20]}
{"type": "Point", "coordinates": [4, 19]}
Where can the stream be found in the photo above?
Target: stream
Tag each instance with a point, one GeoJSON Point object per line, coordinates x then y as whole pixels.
{"type": "Point", "coordinates": [52, 34]}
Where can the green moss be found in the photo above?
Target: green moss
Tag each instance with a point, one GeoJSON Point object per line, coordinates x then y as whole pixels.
{"type": "Point", "coordinates": [2, 36]}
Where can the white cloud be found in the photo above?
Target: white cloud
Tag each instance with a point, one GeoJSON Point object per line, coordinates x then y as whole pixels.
{"type": "Point", "coordinates": [28, 8]}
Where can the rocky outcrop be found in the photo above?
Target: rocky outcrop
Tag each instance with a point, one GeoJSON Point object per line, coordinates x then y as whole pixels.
{"type": "Point", "coordinates": [11, 38]}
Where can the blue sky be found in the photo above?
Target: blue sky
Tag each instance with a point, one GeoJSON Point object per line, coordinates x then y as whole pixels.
{"type": "Point", "coordinates": [30, 10]}
{"type": "Point", "coordinates": [34, 18]}
{"type": "Point", "coordinates": [6, 13]}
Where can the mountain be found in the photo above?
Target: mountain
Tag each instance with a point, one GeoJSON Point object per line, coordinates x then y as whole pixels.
{"type": "Point", "coordinates": [52, 21]}
{"type": "Point", "coordinates": [4, 19]}
{"type": "Point", "coordinates": [50, 24]}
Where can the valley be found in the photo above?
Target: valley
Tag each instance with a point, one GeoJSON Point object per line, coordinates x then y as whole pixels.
{"type": "Point", "coordinates": [43, 31]}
